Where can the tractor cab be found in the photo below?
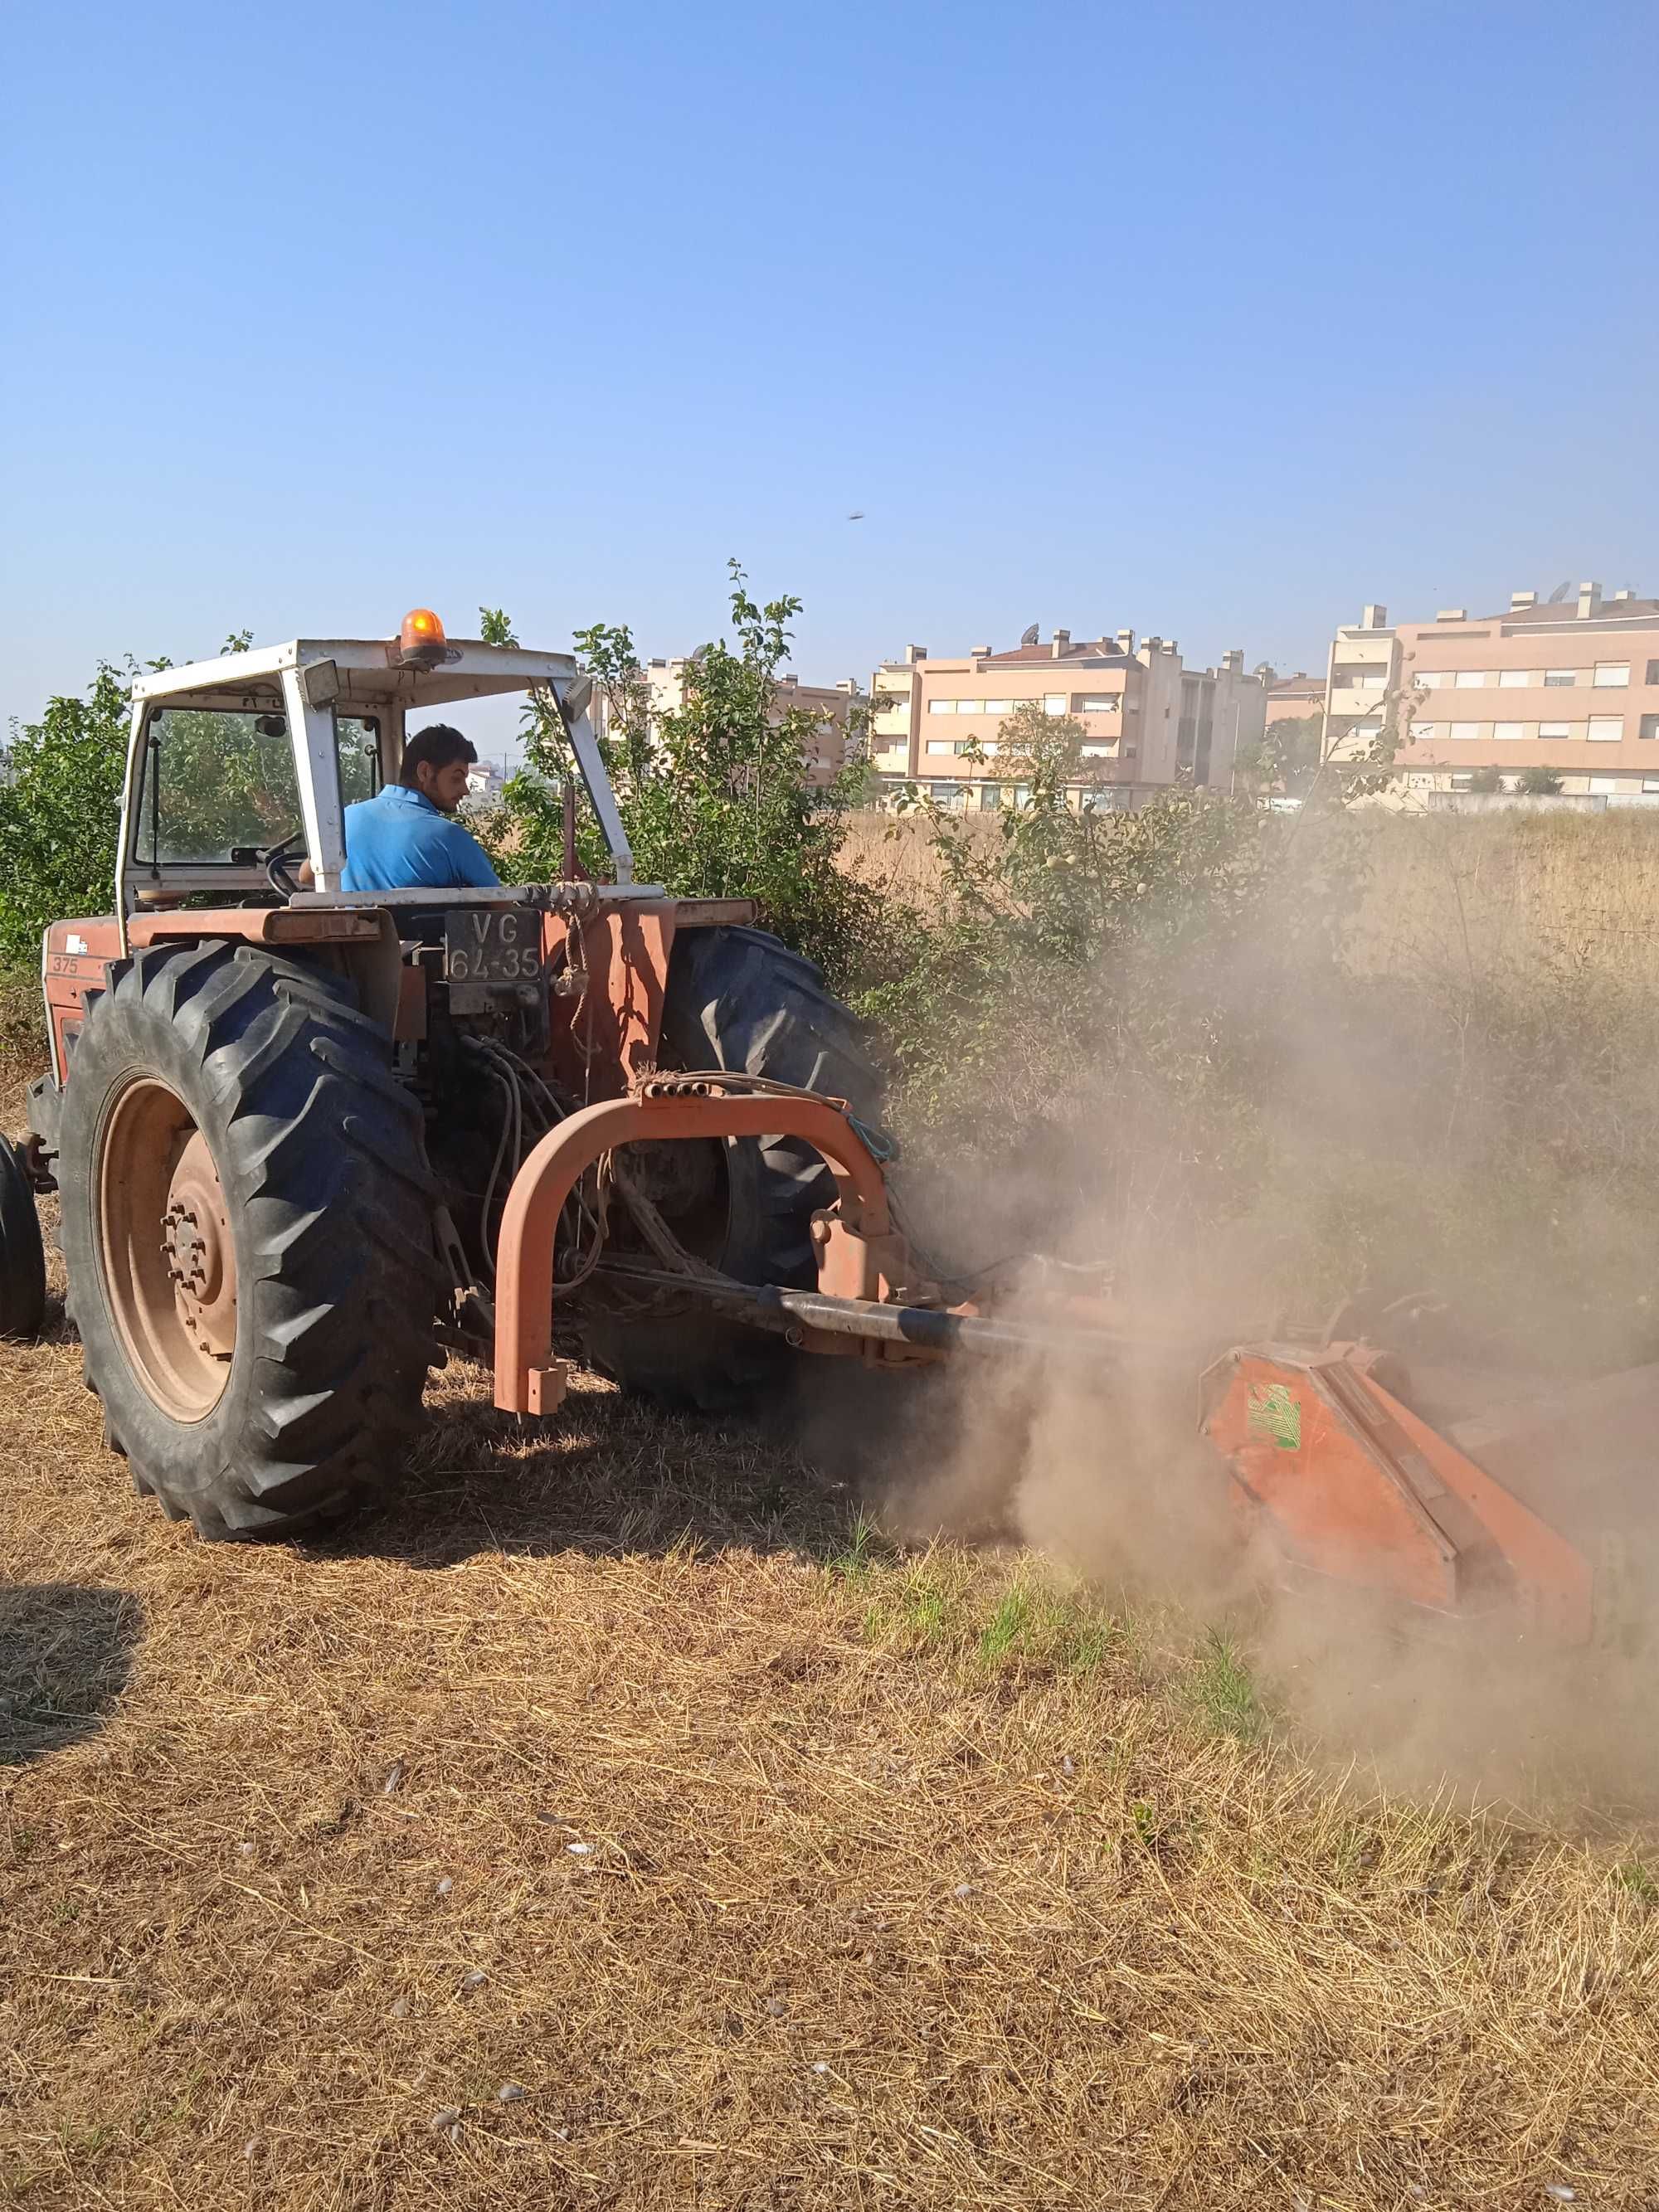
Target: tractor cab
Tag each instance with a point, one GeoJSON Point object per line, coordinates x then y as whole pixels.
{"type": "Point", "coordinates": [239, 770]}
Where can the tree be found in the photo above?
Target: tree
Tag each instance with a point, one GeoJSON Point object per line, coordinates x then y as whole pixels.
{"type": "Point", "coordinates": [59, 808]}
{"type": "Point", "coordinates": [1040, 751]}
{"type": "Point", "coordinates": [714, 794]}
{"type": "Point", "coordinates": [1540, 783]}
{"type": "Point", "coordinates": [60, 801]}
{"type": "Point", "coordinates": [1286, 757]}
{"type": "Point", "coordinates": [1486, 779]}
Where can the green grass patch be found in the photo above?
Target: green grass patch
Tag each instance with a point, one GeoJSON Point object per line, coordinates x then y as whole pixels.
{"type": "Point", "coordinates": [1005, 1630]}
{"type": "Point", "coordinates": [1639, 1881]}
{"type": "Point", "coordinates": [863, 1551]}
{"type": "Point", "coordinates": [969, 1610]}
{"type": "Point", "coordinates": [1218, 1690]}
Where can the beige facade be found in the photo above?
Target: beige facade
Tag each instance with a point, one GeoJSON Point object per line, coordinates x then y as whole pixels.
{"type": "Point", "coordinates": [1145, 720]}
{"type": "Point", "coordinates": [1293, 698]}
{"type": "Point", "coordinates": [1571, 686]}
{"type": "Point", "coordinates": [839, 726]}
{"type": "Point", "coordinates": [1223, 712]}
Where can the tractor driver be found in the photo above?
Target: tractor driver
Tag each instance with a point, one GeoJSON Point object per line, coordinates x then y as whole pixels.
{"type": "Point", "coordinates": [406, 838]}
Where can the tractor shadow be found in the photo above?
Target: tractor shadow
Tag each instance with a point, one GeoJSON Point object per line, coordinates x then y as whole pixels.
{"type": "Point", "coordinates": [66, 1653]}
{"type": "Point", "coordinates": [608, 1475]}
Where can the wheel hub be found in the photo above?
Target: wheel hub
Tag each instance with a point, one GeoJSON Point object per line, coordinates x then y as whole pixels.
{"type": "Point", "coordinates": [165, 1250]}
{"type": "Point", "coordinates": [198, 1250]}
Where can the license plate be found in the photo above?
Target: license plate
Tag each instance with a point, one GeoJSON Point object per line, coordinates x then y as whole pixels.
{"type": "Point", "coordinates": [493, 947]}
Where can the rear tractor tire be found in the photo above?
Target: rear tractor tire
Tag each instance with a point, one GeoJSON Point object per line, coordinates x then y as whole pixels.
{"type": "Point", "coordinates": [22, 1256]}
{"type": "Point", "coordinates": [247, 1229]}
{"type": "Point", "coordinates": [736, 998]}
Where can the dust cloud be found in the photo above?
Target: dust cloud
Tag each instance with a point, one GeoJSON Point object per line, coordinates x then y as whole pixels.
{"type": "Point", "coordinates": [1441, 1097]}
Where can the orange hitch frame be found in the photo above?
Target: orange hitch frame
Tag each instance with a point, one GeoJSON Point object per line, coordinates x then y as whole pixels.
{"type": "Point", "coordinates": [527, 1380]}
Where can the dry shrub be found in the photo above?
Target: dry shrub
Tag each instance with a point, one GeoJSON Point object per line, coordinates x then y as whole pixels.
{"type": "Point", "coordinates": [1429, 1061]}
{"type": "Point", "coordinates": [22, 1043]}
{"type": "Point", "coordinates": [897, 855]}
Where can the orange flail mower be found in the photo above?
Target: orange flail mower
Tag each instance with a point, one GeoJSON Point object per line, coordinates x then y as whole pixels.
{"type": "Point", "coordinates": [1523, 1507]}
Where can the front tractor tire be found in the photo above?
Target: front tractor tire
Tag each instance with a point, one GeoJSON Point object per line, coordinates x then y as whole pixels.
{"type": "Point", "coordinates": [246, 1228]}
{"type": "Point", "coordinates": [738, 998]}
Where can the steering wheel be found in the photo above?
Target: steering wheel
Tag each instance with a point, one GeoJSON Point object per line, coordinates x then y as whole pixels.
{"type": "Point", "coordinates": [276, 860]}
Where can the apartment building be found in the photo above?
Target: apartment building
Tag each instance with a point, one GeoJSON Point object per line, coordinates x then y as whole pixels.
{"type": "Point", "coordinates": [1293, 698]}
{"type": "Point", "coordinates": [485, 781]}
{"type": "Point", "coordinates": [1146, 721]}
{"type": "Point", "coordinates": [838, 730]}
{"type": "Point", "coordinates": [1223, 710]}
{"type": "Point", "coordinates": [1570, 685]}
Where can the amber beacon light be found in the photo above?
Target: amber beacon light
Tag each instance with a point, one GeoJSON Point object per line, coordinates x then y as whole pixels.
{"type": "Point", "coordinates": [421, 638]}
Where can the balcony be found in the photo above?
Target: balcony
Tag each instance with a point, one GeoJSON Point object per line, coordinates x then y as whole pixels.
{"type": "Point", "coordinates": [1359, 699]}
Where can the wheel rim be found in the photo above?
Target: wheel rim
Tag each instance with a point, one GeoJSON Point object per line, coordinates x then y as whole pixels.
{"type": "Point", "coordinates": [165, 1250]}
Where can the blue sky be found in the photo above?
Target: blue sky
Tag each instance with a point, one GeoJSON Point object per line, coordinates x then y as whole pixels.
{"type": "Point", "coordinates": [1214, 319]}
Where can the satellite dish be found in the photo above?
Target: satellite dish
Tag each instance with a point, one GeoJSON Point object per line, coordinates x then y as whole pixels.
{"type": "Point", "coordinates": [1029, 637]}
{"type": "Point", "coordinates": [1558, 593]}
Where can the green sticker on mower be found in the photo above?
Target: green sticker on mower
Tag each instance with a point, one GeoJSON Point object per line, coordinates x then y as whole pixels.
{"type": "Point", "coordinates": [1276, 1412]}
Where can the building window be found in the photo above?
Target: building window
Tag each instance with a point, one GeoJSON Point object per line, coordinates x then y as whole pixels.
{"type": "Point", "coordinates": [998, 707]}
{"type": "Point", "coordinates": [1096, 703]}
{"type": "Point", "coordinates": [1054, 702]}
{"type": "Point", "coordinates": [1461, 782]}
{"type": "Point", "coordinates": [941, 746]}
{"type": "Point", "coordinates": [1425, 733]}
{"type": "Point", "coordinates": [1505, 732]}
{"type": "Point", "coordinates": [1464, 729]}
{"type": "Point", "coordinates": [1517, 679]}
{"type": "Point", "coordinates": [991, 796]}
{"type": "Point", "coordinates": [1650, 783]}
{"type": "Point", "coordinates": [941, 706]}
{"type": "Point", "coordinates": [1555, 729]}
{"type": "Point", "coordinates": [1433, 679]}
{"type": "Point", "coordinates": [1472, 679]}
{"type": "Point", "coordinates": [1602, 785]}
{"type": "Point", "coordinates": [1653, 671]}
{"type": "Point", "coordinates": [1649, 726]}
{"type": "Point", "coordinates": [946, 794]}
{"type": "Point", "coordinates": [1100, 753]}
{"type": "Point", "coordinates": [1560, 679]}
{"type": "Point", "coordinates": [1610, 674]}
{"type": "Point", "coordinates": [1607, 729]}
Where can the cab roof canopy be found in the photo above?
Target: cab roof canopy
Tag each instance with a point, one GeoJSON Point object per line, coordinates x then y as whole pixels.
{"type": "Point", "coordinates": [357, 674]}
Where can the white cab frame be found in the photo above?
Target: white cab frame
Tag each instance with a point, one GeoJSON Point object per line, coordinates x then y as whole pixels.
{"type": "Point", "coordinates": [311, 680]}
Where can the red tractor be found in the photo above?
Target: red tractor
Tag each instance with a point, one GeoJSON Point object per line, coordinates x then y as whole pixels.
{"type": "Point", "coordinates": [285, 1124]}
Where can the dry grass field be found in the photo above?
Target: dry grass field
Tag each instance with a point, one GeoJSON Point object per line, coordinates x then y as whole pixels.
{"type": "Point", "coordinates": [613, 1824]}
{"type": "Point", "coordinates": [1586, 884]}
{"type": "Point", "coordinates": [617, 1819]}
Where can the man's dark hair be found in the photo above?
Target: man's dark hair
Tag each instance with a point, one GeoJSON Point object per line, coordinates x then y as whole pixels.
{"type": "Point", "coordinates": [439, 744]}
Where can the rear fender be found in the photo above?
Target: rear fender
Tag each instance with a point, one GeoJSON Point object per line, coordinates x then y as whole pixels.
{"type": "Point", "coordinates": [76, 956]}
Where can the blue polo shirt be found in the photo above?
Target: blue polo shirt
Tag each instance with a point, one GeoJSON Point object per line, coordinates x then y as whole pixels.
{"type": "Point", "coordinates": [398, 840]}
